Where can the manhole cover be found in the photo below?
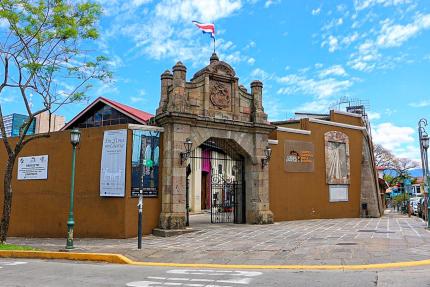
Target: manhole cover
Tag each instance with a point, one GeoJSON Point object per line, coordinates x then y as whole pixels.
{"type": "Point", "coordinates": [346, 243]}
{"type": "Point", "coordinates": [366, 230]}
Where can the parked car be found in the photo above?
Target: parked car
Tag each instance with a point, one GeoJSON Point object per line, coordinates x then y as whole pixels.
{"type": "Point", "coordinates": [414, 205]}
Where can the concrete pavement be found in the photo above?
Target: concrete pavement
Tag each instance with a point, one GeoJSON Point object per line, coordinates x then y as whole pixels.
{"type": "Point", "coordinates": [41, 273]}
{"type": "Point", "coordinates": [392, 238]}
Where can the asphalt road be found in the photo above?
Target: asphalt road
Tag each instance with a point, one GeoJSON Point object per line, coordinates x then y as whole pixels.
{"type": "Point", "coordinates": [36, 273]}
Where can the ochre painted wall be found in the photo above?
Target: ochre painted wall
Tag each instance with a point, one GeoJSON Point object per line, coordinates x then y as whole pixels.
{"type": "Point", "coordinates": [306, 195]}
{"type": "Point", "coordinates": [40, 207]}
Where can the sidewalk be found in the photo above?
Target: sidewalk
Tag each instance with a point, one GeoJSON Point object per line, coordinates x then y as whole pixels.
{"type": "Point", "coordinates": [392, 238]}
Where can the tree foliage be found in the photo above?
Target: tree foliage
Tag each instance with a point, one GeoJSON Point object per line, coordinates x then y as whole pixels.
{"type": "Point", "coordinates": [43, 54]}
{"type": "Point", "coordinates": [399, 167]}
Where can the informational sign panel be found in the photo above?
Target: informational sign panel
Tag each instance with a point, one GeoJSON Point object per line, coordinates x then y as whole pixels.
{"type": "Point", "coordinates": [299, 156]}
{"type": "Point", "coordinates": [338, 193]}
{"type": "Point", "coordinates": [145, 163]}
{"type": "Point", "coordinates": [112, 173]}
{"type": "Point", "coordinates": [33, 167]}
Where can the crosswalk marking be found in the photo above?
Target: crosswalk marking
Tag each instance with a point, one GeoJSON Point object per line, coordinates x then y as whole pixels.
{"type": "Point", "coordinates": [211, 278]}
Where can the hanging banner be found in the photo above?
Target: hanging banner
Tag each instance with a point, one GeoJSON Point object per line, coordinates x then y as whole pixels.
{"type": "Point", "coordinates": [112, 173]}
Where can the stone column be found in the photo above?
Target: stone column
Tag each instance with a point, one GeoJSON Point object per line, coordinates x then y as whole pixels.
{"type": "Point", "coordinates": [173, 173]}
{"type": "Point", "coordinates": [257, 93]}
{"type": "Point", "coordinates": [257, 185]}
{"type": "Point", "coordinates": [166, 82]}
{"type": "Point", "coordinates": [178, 100]}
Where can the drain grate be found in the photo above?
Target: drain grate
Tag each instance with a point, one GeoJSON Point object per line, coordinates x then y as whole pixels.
{"type": "Point", "coordinates": [346, 243]}
{"type": "Point", "coordinates": [367, 230]}
{"type": "Point", "coordinates": [385, 232]}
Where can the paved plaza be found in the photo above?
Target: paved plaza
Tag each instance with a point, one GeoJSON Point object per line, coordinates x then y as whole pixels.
{"type": "Point", "coordinates": [392, 238]}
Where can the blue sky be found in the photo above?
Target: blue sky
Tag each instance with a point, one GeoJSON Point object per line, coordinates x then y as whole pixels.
{"type": "Point", "coordinates": [308, 54]}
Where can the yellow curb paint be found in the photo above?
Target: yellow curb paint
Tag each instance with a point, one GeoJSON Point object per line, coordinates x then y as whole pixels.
{"type": "Point", "coordinates": [121, 259]}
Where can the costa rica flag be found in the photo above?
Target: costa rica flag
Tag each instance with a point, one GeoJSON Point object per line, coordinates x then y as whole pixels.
{"type": "Point", "coordinates": [207, 28]}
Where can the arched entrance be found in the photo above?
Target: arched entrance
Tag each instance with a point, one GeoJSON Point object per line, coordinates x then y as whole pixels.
{"type": "Point", "coordinates": [216, 181]}
{"type": "Point", "coordinates": [221, 118]}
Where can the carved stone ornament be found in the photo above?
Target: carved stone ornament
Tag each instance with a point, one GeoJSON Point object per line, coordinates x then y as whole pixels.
{"type": "Point", "coordinates": [220, 95]}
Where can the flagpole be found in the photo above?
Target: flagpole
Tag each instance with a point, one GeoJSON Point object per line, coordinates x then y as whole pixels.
{"type": "Point", "coordinates": [214, 44]}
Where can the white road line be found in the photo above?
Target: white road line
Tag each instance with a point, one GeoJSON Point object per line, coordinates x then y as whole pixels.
{"type": "Point", "coordinates": [156, 278]}
{"type": "Point", "coordinates": [416, 232]}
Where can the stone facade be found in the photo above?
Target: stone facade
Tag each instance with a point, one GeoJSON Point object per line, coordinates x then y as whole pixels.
{"type": "Point", "coordinates": [369, 184]}
{"type": "Point", "coordinates": [212, 105]}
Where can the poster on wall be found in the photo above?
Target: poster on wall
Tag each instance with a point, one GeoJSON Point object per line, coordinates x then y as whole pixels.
{"type": "Point", "coordinates": [145, 163]}
{"type": "Point", "coordinates": [33, 167]}
{"type": "Point", "coordinates": [112, 171]}
{"type": "Point", "coordinates": [299, 156]}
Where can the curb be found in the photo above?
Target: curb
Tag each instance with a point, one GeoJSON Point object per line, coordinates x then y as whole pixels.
{"type": "Point", "coordinates": [121, 259]}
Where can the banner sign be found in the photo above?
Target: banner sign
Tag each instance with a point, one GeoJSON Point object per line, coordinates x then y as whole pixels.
{"type": "Point", "coordinates": [112, 173]}
{"type": "Point", "coordinates": [33, 167]}
{"type": "Point", "coordinates": [298, 156]}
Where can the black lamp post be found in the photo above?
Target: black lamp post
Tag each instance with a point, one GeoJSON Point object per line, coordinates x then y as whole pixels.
{"type": "Point", "coordinates": [424, 145]}
{"type": "Point", "coordinates": [267, 156]}
{"type": "Point", "coordinates": [75, 136]}
{"type": "Point", "coordinates": [188, 144]}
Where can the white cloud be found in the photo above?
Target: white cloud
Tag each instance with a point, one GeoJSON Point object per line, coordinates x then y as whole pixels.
{"type": "Point", "coordinates": [187, 10]}
{"type": "Point", "coordinates": [333, 44]}
{"type": "Point", "coordinates": [335, 70]}
{"type": "Point", "coordinates": [394, 35]}
{"type": "Point", "coordinates": [317, 106]}
{"type": "Point", "coordinates": [251, 61]}
{"type": "Point", "coordinates": [167, 31]}
{"type": "Point", "coordinates": [350, 39]}
{"type": "Point", "coordinates": [260, 74]}
{"type": "Point", "coordinates": [271, 2]}
{"type": "Point", "coordinates": [394, 138]}
{"type": "Point", "coordinates": [316, 11]}
{"type": "Point", "coordinates": [373, 115]}
{"type": "Point", "coordinates": [320, 88]}
{"type": "Point", "coordinates": [420, 104]}
{"type": "Point", "coordinates": [363, 4]}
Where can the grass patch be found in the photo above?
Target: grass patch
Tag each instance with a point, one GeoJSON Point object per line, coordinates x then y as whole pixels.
{"type": "Point", "coordinates": [16, 247]}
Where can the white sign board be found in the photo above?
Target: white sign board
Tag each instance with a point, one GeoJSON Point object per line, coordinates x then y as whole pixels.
{"type": "Point", "coordinates": [338, 193]}
{"type": "Point", "coordinates": [112, 173]}
{"type": "Point", "coordinates": [33, 167]}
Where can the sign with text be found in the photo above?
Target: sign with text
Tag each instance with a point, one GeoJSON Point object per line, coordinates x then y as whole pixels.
{"type": "Point", "coordinates": [33, 167]}
{"type": "Point", "coordinates": [299, 156]}
{"type": "Point", "coordinates": [112, 173]}
{"type": "Point", "coordinates": [338, 193]}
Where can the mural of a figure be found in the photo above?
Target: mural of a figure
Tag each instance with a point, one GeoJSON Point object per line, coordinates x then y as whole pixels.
{"type": "Point", "coordinates": [337, 157]}
{"type": "Point", "coordinates": [337, 160]}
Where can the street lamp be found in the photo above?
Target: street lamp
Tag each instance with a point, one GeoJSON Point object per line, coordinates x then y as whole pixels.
{"type": "Point", "coordinates": [267, 156]}
{"type": "Point", "coordinates": [75, 136]}
{"type": "Point", "coordinates": [188, 144]}
{"type": "Point", "coordinates": [424, 145]}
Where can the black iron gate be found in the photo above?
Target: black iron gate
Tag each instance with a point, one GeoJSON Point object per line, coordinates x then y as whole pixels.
{"type": "Point", "coordinates": [226, 198]}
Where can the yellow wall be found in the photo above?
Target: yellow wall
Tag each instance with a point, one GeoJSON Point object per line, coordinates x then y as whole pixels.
{"type": "Point", "coordinates": [40, 207]}
{"type": "Point", "coordinates": [305, 195]}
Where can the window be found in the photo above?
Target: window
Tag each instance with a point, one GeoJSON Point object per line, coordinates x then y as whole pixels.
{"type": "Point", "coordinates": [104, 115]}
{"type": "Point", "coordinates": [220, 169]}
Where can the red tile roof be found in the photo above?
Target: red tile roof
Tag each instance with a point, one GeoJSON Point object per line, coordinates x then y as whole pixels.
{"type": "Point", "coordinates": [138, 115]}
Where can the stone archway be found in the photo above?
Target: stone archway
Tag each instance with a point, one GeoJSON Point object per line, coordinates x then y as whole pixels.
{"type": "Point", "coordinates": [211, 105]}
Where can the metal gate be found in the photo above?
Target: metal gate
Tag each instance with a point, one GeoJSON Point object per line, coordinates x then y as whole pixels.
{"type": "Point", "coordinates": [226, 194]}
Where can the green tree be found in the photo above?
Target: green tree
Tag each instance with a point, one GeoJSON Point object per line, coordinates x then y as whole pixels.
{"type": "Point", "coordinates": [43, 55]}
